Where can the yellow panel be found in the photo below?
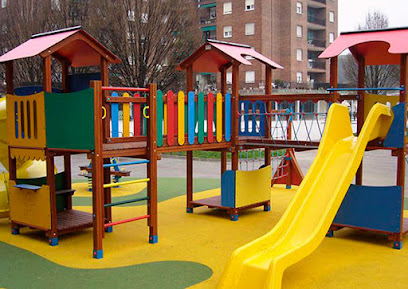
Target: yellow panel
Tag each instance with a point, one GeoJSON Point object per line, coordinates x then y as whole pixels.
{"type": "Point", "coordinates": [253, 186]}
{"type": "Point", "coordinates": [126, 117]}
{"type": "Point", "coordinates": [180, 109]}
{"type": "Point", "coordinates": [30, 207]}
{"type": "Point", "coordinates": [262, 262]}
{"type": "Point", "coordinates": [27, 154]}
{"type": "Point", "coordinates": [371, 99]}
{"type": "Point", "coordinates": [219, 117]}
{"type": "Point", "coordinates": [165, 118]}
{"type": "Point", "coordinates": [37, 120]}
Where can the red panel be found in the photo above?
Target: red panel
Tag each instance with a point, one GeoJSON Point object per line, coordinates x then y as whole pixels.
{"type": "Point", "coordinates": [136, 118]}
{"type": "Point", "coordinates": [170, 118]}
{"type": "Point", "coordinates": [210, 118]}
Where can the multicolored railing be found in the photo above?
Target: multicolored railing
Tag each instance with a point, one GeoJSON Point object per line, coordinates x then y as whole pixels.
{"type": "Point", "coordinates": [192, 119]}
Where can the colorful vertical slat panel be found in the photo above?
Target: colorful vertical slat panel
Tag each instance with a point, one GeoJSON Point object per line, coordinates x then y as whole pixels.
{"type": "Point", "coordinates": [210, 118]}
{"type": "Point", "coordinates": [115, 116]}
{"type": "Point", "coordinates": [126, 117]}
{"type": "Point", "coordinates": [201, 118]}
{"type": "Point", "coordinates": [191, 118]}
{"type": "Point", "coordinates": [219, 117]}
{"type": "Point", "coordinates": [170, 117]}
{"type": "Point", "coordinates": [180, 112]}
{"type": "Point", "coordinates": [159, 116]}
{"type": "Point", "coordinates": [136, 118]}
{"type": "Point", "coordinates": [228, 117]}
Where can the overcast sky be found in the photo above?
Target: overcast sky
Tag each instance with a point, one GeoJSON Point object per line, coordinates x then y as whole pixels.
{"type": "Point", "coordinates": [353, 12]}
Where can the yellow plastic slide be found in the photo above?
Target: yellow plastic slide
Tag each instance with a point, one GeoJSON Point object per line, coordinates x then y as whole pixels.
{"type": "Point", "coordinates": [262, 262]}
{"type": "Point", "coordinates": [29, 169]}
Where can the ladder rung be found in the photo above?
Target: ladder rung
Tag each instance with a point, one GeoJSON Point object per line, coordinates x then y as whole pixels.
{"type": "Point", "coordinates": [126, 164]}
{"type": "Point", "coordinates": [125, 183]}
{"type": "Point", "coordinates": [126, 202]}
{"type": "Point", "coordinates": [126, 221]}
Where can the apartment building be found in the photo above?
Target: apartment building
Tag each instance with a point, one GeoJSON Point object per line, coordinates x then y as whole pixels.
{"type": "Point", "coordinates": [291, 32]}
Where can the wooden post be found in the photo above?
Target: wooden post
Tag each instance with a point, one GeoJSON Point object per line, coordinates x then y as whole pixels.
{"type": "Point", "coordinates": [189, 154]}
{"type": "Point", "coordinates": [65, 76]}
{"type": "Point", "coordinates": [360, 111]}
{"type": "Point", "coordinates": [152, 165]}
{"type": "Point", "coordinates": [9, 77]}
{"type": "Point", "coordinates": [223, 92]}
{"type": "Point", "coordinates": [68, 181]}
{"type": "Point", "coordinates": [334, 71]}
{"type": "Point", "coordinates": [234, 115]}
{"type": "Point", "coordinates": [47, 80]}
{"type": "Point", "coordinates": [268, 91]}
{"type": "Point", "coordinates": [401, 151]}
{"type": "Point", "coordinates": [97, 174]}
{"type": "Point", "coordinates": [106, 129]}
{"type": "Point", "coordinates": [52, 235]}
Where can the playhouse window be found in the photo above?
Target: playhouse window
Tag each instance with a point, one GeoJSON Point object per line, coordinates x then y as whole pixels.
{"type": "Point", "coordinates": [250, 29]}
{"type": "Point", "coordinates": [227, 7]}
{"type": "Point", "coordinates": [299, 8]}
{"type": "Point", "coordinates": [227, 31]}
{"type": "Point", "coordinates": [299, 77]}
{"type": "Point", "coordinates": [249, 5]}
{"type": "Point", "coordinates": [299, 31]}
{"type": "Point", "coordinates": [331, 37]}
{"type": "Point", "coordinates": [250, 77]}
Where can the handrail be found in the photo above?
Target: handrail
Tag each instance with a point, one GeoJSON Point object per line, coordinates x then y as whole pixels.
{"type": "Point", "coordinates": [296, 97]}
{"type": "Point", "coordinates": [105, 88]}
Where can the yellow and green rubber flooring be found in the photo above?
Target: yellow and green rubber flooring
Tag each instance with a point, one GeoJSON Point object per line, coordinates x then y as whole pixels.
{"type": "Point", "coordinates": [192, 250]}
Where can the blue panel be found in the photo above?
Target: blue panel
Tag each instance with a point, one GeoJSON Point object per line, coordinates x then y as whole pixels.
{"type": "Point", "coordinates": [376, 208]}
{"type": "Point", "coordinates": [191, 118]}
{"type": "Point", "coordinates": [115, 117]}
{"type": "Point", "coordinates": [228, 189]}
{"type": "Point", "coordinates": [228, 117]}
{"type": "Point", "coordinates": [253, 111]}
{"type": "Point", "coordinates": [395, 136]}
{"type": "Point", "coordinates": [29, 90]}
{"type": "Point", "coordinates": [28, 187]}
{"type": "Point", "coordinates": [82, 81]}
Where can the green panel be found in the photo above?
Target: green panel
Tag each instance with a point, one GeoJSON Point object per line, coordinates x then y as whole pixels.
{"type": "Point", "coordinates": [70, 120]}
{"type": "Point", "coordinates": [209, 28]}
{"type": "Point", "coordinates": [159, 118]}
{"type": "Point", "coordinates": [209, 5]}
{"type": "Point", "coordinates": [201, 117]}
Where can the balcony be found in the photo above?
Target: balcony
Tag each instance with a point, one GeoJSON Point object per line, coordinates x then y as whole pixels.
{"type": "Point", "coordinates": [320, 1]}
{"type": "Point", "coordinates": [316, 20]}
{"type": "Point", "coordinates": [316, 43]}
{"type": "Point", "coordinates": [208, 21]}
{"type": "Point", "coordinates": [317, 64]}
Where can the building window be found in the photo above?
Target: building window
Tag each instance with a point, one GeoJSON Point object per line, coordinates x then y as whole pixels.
{"type": "Point", "coordinates": [299, 31]}
{"type": "Point", "coordinates": [213, 12]}
{"type": "Point", "coordinates": [250, 77]}
{"type": "Point", "coordinates": [249, 5]}
{"type": "Point", "coordinates": [145, 17]}
{"type": "Point", "coordinates": [227, 31]}
{"type": "Point", "coordinates": [250, 29]}
{"type": "Point", "coordinates": [55, 4]}
{"type": "Point", "coordinates": [331, 16]}
{"type": "Point", "coordinates": [331, 37]}
{"type": "Point", "coordinates": [229, 77]}
{"type": "Point", "coordinates": [299, 77]}
{"type": "Point", "coordinates": [3, 3]}
{"type": "Point", "coordinates": [131, 15]}
{"type": "Point", "coordinates": [299, 54]}
{"type": "Point", "coordinates": [299, 8]}
{"type": "Point", "coordinates": [227, 7]}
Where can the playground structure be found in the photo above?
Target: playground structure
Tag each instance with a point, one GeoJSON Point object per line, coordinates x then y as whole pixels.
{"type": "Point", "coordinates": [175, 122]}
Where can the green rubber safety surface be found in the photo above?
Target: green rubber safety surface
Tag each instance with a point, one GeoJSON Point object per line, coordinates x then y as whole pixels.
{"type": "Point", "coordinates": [20, 269]}
{"type": "Point", "coordinates": [168, 188]}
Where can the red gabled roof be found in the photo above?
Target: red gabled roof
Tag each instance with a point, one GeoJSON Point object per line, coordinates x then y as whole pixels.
{"type": "Point", "coordinates": [213, 55]}
{"type": "Point", "coordinates": [73, 44]}
{"type": "Point", "coordinates": [379, 47]}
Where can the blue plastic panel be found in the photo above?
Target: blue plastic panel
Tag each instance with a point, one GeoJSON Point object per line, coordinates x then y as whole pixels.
{"type": "Point", "coordinates": [228, 189]}
{"type": "Point", "coordinates": [395, 136]}
{"type": "Point", "coordinates": [115, 116]}
{"type": "Point", "coordinates": [375, 208]}
{"type": "Point", "coordinates": [191, 118]}
{"type": "Point", "coordinates": [228, 117]}
{"type": "Point", "coordinates": [254, 118]}
{"type": "Point", "coordinates": [28, 187]}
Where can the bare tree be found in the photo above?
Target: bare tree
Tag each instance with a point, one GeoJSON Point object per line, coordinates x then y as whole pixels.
{"type": "Point", "coordinates": [376, 75]}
